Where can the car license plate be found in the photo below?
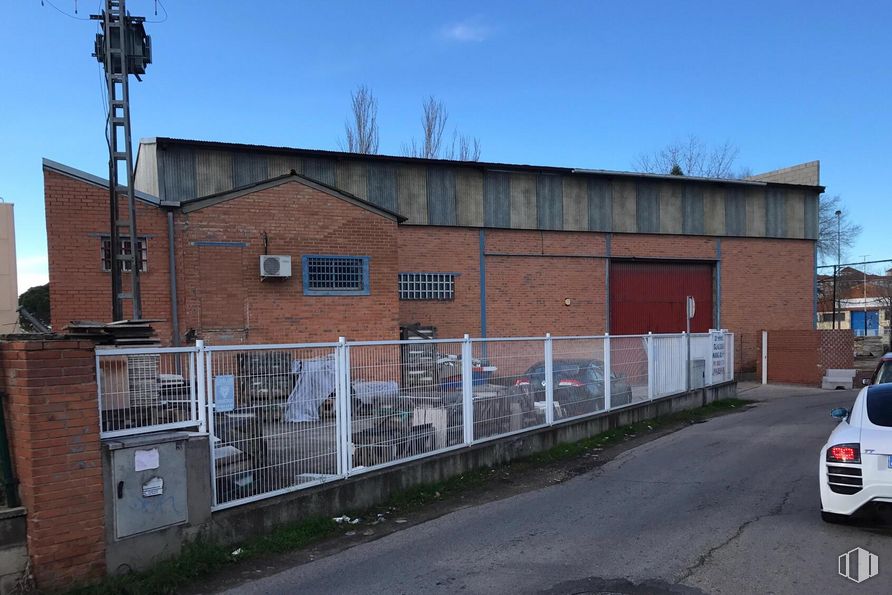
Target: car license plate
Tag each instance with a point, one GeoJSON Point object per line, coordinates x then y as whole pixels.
{"type": "Point", "coordinates": [890, 462]}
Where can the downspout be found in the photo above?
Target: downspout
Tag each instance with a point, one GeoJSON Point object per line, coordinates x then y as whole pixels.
{"type": "Point", "coordinates": [717, 311]}
{"type": "Point", "coordinates": [172, 269]}
{"type": "Point", "coordinates": [482, 273]}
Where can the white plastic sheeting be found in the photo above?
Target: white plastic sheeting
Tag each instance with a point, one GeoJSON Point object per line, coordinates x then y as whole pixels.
{"type": "Point", "coordinates": [317, 380]}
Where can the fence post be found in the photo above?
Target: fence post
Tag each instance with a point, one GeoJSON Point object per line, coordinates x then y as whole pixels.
{"type": "Point", "coordinates": [467, 389]}
{"type": "Point", "coordinates": [729, 353]}
{"type": "Point", "coordinates": [342, 396]}
{"type": "Point", "coordinates": [198, 373]}
{"type": "Point", "coordinates": [607, 389]}
{"type": "Point", "coordinates": [205, 382]}
{"type": "Point", "coordinates": [764, 357]}
{"type": "Point", "coordinates": [651, 365]}
{"type": "Point", "coordinates": [549, 380]}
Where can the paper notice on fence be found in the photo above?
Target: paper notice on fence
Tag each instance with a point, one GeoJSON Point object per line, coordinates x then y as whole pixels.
{"type": "Point", "coordinates": [144, 460]}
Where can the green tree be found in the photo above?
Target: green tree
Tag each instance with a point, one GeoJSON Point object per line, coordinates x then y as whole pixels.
{"type": "Point", "coordinates": [37, 301]}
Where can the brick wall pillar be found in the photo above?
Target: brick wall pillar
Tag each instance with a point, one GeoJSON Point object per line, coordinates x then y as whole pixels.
{"type": "Point", "coordinates": [53, 421]}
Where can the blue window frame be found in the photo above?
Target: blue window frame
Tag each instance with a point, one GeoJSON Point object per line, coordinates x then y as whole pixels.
{"type": "Point", "coordinates": [335, 275]}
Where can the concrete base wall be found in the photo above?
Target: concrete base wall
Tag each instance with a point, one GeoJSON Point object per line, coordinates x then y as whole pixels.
{"type": "Point", "coordinates": [375, 487]}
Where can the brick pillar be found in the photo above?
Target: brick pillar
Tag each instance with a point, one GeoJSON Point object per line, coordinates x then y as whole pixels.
{"type": "Point", "coordinates": [53, 425]}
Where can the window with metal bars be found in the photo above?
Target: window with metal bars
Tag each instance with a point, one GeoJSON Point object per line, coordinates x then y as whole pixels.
{"type": "Point", "coordinates": [335, 275]}
{"type": "Point", "coordinates": [427, 286]}
{"type": "Point", "coordinates": [105, 253]}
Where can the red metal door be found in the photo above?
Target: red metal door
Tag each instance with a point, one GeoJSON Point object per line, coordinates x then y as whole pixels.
{"type": "Point", "coordinates": [650, 296]}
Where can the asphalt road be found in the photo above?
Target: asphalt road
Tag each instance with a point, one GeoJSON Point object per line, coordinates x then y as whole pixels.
{"type": "Point", "coordinates": [726, 506]}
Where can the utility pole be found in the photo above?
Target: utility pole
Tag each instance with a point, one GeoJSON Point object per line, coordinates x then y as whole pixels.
{"type": "Point", "coordinates": [124, 49]}
{"type": "Point", "coordinates": [864, 271]}
{"type": "Point", "coordinates": [836, 268]}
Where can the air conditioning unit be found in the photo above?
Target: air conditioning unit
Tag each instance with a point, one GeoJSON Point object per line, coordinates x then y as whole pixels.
{"type": "Point", "coordinates": [275, 266]}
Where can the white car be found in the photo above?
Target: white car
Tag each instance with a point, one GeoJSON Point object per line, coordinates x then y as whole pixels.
{"type": "Point", "coordinates": [856, 461]}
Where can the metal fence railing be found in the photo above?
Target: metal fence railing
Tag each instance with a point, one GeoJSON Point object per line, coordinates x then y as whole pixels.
{"type": "Point", "coordinates": [286, 417]}
{"type": "Point", "coordinates": [145, 390]}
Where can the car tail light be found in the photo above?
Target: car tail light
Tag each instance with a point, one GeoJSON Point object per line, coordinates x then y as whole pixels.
{"type": "Point", "coordinates": [522, 381]}
{"type": "Point", "coordinates": [844, 453]}
{"type": "Point", "coordinates": [570, 382]}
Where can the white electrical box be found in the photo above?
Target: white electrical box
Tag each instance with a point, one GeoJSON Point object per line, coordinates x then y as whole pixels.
{"type": "Point", "coordinates": [275, 266]}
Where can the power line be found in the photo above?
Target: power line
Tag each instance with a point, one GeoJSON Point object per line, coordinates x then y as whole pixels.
{"type": "Point", "coordinates": [157, 4]}
{"type": "Point", "coordinates": [851, 264]}
{"type": "Point", "coordinates": [60, 11]}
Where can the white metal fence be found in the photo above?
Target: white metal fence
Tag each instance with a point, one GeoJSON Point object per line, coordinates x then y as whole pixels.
{"type": "Point", "coordinates": [285, 417]}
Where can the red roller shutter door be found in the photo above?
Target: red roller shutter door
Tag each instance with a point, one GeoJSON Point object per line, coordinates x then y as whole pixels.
{"type": "Point", "coordinates": [650, 296]}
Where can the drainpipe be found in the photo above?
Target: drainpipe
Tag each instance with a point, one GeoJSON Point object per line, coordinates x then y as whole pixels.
{"type": "Point", "coordinates": [172, 268]}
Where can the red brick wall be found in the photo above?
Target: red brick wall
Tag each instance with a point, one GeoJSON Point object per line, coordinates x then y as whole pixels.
{"type": "Point", "coordinates": [766, 284]}
{"type": "Point", "coordinates": [525, 294]}
{"type": "Point", "coordinates": [443, 250]}
{"type": "Point", "coordinates": [802, 356]}
{"type": "Point", "coordinates": [224, 299]}
{"type": "Point", "coordinates": [76, 217]}
{"type": "Point", "coordinates": [54, 433]}
{"type": "Point", "coordinates": [529, 274]}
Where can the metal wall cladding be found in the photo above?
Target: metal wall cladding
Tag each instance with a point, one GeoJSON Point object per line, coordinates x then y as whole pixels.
{"type": "Point", "coordinates": [475, 196]}
{"type": "Point", "coordinates": [441, 196]}
{"type": "Point", "coordinates": [382, 186]}
{"type": "Point", "coordinates": [549, 201]}
{"type": "Point", "coordinates": [735, 212]}
{"type": "Point", "coordinates": [647, 210]}
{"type": "Point", "coordinates": [496, 201]}
{"type": "Point", "coordinates": [775, 213]}
{"type": "Point", "coordinates": [650, 296]}
{"type": "Point", "coordinates": [176, 173]}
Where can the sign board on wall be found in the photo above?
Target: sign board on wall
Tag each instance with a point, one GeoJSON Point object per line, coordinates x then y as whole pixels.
{"type": "Point", "coordinates": [718, 355]}
{"type": "Point", "coordinates": [224, 392]}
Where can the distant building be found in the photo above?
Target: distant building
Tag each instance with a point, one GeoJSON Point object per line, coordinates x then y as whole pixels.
{"type": "Point", "coordinates": [863, 302]}
{"type": "Point", "coordinates": [489, 249]}
{"type": "Point", "coordinates": [9, 295]}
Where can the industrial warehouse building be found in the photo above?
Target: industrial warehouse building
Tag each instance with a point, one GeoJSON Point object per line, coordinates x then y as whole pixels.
{"type": "Point", "coordinates": [377, 242]}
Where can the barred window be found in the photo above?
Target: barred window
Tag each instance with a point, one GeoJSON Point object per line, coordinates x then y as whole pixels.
{"type": "Point", "coordinates": [335, 275]}
{"type": "Point", "coordinates": [105, 253]}
{"type": "Point", "coordinates": [427, 286]}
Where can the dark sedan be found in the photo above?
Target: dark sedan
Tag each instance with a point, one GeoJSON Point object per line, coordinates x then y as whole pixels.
{"type": "Point", "coordinates": [578, 385]}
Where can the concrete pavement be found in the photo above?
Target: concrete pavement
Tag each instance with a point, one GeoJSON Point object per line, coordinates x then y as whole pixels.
{"type": "Point", "coordinates": [726, 506]}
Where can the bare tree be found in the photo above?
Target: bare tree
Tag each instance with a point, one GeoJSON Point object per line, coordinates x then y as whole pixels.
{"type": "Point", "coordinates": [432, 146]}
{"type": "Point", "coordinates": [361, 129]}
{"type": "Point", "coordinates": [433, 124]}
{"type": "Point", "coordinates": [690, 157]}
{"type": "Point", "coordinates": [834, 235]}
{"type": "Point", "coordinates": [464, 147]}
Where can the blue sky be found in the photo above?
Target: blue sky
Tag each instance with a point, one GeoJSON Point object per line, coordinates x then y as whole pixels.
{"type": "Point", "coordinates": [586, 84]}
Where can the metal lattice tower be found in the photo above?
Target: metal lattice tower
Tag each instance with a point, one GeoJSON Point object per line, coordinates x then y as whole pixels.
{"type": "Point", "coordinates": [124, 49]}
